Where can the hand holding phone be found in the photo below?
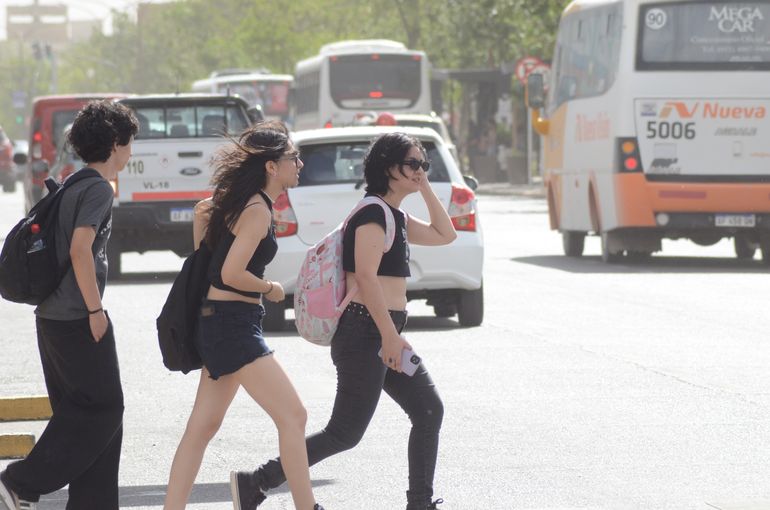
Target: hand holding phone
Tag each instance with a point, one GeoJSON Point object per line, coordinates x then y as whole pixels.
{"type": "Point", "coordinates": [409, 361]}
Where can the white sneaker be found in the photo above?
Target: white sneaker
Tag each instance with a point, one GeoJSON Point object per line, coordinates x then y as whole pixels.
{"type": "Point", "coordinates": [12, 501]}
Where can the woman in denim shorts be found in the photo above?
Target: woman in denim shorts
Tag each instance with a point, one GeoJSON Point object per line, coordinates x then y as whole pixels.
{"type": "Point", "coordinates": [367, 346]}
{"type": "Point", "coordinates": [236, 224]}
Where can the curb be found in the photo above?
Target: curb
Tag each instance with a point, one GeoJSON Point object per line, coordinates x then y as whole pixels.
{"type": "Point", "coordinates": [25, 408]}
{"type": "Point", "coordinates": [15, 446]}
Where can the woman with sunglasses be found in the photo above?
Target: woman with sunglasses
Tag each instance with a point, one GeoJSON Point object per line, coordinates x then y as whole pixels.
{"type": "Point", "coordinates": [236, 225]}
{"type": "Point", "coordinates": [367, 346]}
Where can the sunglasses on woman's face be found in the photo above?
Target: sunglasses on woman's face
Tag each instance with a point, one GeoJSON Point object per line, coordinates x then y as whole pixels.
{"type": "Point", "coordinates": [416, 164]}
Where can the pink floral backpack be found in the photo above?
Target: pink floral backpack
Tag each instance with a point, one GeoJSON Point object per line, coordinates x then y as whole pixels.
{"type": "Point", "coordinates": [321, 295]}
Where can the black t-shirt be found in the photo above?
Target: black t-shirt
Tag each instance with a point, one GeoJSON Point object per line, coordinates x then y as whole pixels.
{"type": "Point", "coordinates": [394, 262]}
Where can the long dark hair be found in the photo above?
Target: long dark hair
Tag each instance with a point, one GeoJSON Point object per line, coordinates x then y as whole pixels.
{"type": "Point", "coordinates": [240, 172]}
{"type": "Point", "coordinates": [385, 151]}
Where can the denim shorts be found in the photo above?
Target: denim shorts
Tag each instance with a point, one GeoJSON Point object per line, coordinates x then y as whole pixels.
{"type": "Point", "coordinates": [230, 335]}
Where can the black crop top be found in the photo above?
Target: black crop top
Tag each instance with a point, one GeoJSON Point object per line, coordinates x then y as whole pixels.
{"type": "Point", "coordinates": [394, 262]}
{"type": "Point", "coordinates": [262, 256]}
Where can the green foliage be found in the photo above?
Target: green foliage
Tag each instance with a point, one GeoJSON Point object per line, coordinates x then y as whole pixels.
{"type": "Point", "coordinates": [185, 40]}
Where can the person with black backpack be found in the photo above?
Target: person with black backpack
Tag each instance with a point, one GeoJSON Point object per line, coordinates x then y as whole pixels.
{"type": "Point", "coordinates": [81, 444]}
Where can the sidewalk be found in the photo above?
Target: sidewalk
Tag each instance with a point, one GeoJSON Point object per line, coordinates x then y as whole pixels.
{"type": "Point", "coordinates": [534, 190]}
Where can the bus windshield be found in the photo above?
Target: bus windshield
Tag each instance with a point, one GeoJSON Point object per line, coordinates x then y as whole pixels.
{"type": "Point", "coordinates": [374, 80]}
{"type": "Point", "coordinates": [272, 96]}
{"type": "Point", "coordinates": [704, 36]}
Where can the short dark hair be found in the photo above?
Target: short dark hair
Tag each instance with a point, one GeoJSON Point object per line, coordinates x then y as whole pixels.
{"type": "Point", "coordinates": [98, 127]}
{"type": "Point", "coordinates": [385, 151]}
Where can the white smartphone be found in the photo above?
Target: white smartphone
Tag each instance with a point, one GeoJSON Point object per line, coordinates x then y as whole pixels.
{"type": "Point", "coordinates": [409, 361]}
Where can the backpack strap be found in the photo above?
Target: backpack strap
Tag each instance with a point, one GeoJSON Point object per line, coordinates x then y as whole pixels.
{"type": "Point", "coordinates": [390, 221]}
{"type": "Point", "coordinates": [390, 236]}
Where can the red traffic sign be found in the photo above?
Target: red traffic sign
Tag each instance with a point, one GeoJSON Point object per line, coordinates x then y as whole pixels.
{"type": "Point", "coordinates": [524, 66]}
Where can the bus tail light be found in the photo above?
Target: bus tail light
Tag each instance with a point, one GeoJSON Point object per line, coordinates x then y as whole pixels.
{"type": "Point", "coordinates": [328, 124]}
{"type": "Point", "coordinates": [284, 217]}
{"type": "Point", "coordinates": [627, 156]}
{"type": "Point", "coordinates": [462, 209]}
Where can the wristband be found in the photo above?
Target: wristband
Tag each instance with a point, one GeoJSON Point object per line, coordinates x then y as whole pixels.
{"type": "Point", "coordinates": [91, 312]}
{"type": "Point", "coordinates": [270, 289]}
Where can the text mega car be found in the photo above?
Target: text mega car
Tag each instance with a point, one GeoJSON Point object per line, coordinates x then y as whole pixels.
{"type": "Point", "coordinates": [331, 183]}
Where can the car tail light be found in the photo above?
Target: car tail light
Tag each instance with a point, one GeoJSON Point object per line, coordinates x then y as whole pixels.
{"type": "Point", "coordinates": [462, 208]}
{"type": "Point", "coordinates": [284, 217]}
{"type": "Point", "coordinates": [627, 155]}
{"type": "Point", "coordinates": [328, 124]}
{"type": "Point", "coordinates": [36, 150]}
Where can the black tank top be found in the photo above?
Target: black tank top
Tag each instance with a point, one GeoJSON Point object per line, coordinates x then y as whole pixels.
{"type": "Point", "coordinates": [395, 262]}
{"type": "Point", "coordinates": [262, 256]}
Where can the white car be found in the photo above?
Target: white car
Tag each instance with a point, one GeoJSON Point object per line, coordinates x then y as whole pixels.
{"type": "Point", "coordinates": [331, 182]}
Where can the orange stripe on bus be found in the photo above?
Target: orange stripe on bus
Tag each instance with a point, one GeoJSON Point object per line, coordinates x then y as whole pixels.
{"type": "Point", "coordinates": [667, 193]}
{"type": "Point", "coordinates": [638, 199]}
{"type": "Point", "coordinates": [170, 195]}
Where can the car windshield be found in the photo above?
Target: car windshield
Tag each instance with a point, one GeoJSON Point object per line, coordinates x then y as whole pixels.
{"type": "Point", "coordinates": [188, 120]}
{"type": "Point", "coordinates": [343, 162]}
{"type": "Point", "coordinates": [61, 120]}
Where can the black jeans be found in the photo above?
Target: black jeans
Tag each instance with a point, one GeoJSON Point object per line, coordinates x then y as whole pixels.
{"type": "Point", "coordinates": [361, 377]}
{"type": "Point", "coordinates": [81, 444]}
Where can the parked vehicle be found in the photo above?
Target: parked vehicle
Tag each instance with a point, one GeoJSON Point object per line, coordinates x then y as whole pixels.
{"type": "Point", "coordinates": [330, 184]}
{"type": "Point", "coordinates": [169, 170]}
{"type": "Point", "coordinates": [7, 166]}
{"type": "Point", "coordinates": [432, 121]}
{"type": "Point", "coordinates": [50, 115]}
{"type": "Point", "coordinates": [20, 147]}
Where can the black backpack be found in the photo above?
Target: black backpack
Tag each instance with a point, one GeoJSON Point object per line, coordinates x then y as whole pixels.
{"type": "Point", "coordinates": [29, 268]}
{"type": "Point", "coordinates": [178, 320]}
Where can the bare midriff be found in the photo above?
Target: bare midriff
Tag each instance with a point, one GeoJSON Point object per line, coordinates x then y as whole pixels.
{"type": "Point", "coordinates": [393, 288]}
{"type": "Point", "coordinates": [226, 295]}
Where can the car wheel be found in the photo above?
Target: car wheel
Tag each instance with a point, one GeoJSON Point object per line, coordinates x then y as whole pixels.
{"type": "Point", "coordinates": [113, 259]}
{"type": "Point", "coordinates": [573, 243]}
{"type": "Point", "coordinates": [445, 310]}
{"type": "Point", "coordinates": [275, 316]}
{"type": "Point", "coordinates": [744, 248]}
{"type": "Point", "coordinates": [470, 307]}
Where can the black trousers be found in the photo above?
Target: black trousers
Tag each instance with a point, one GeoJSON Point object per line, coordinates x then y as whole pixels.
{"type": "Point", "coordinates": [361, 377]}
{"type": "Point", "coordinates": [81, 444]}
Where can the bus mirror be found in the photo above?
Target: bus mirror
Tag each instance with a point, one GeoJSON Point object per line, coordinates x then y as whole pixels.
{"type": "Point", "coordinates": [535, 91]}
{"type": "Point", "coordinates": [255, 114]}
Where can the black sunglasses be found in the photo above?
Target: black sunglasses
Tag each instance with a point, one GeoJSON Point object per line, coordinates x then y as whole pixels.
{"type": "Point", "coordinates": [416, 164]}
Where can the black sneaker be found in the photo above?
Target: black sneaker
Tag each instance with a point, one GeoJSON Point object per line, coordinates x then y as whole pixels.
{"type": "Point", "coordinates": [246, 494]}
{"type": "Point", "coordinates": [433, 506]}
{"type": "Point", "coordinates": [318, 507]}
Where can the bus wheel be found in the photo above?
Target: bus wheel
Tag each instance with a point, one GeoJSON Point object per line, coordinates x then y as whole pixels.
{"type": "Point", "coordinates": [573, 242]}
{"type": "Point", "coordinates": [744, 248]}
{"type": "Point", "coordinates": [610, 254]}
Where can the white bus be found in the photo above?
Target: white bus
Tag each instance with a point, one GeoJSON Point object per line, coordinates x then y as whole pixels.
{"type": "Point", "coordinates": [352, 78]}
{"type": "Point", "coordinates": [269, 91]}
{"type": "Point", "coordinates": [655, 125]}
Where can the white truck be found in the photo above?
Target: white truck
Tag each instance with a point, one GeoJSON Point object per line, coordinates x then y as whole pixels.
{"type": "Point", "coordinates": [169, 170]}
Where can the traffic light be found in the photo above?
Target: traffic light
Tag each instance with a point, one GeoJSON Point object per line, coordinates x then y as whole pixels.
{"type": "Point", "coordinates": [20, 120]}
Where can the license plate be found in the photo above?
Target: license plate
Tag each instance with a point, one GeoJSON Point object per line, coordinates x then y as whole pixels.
{"type": "Point", "coordinates": [181, 215]}
{"type": "Point", "coordinates": [735, 220]}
